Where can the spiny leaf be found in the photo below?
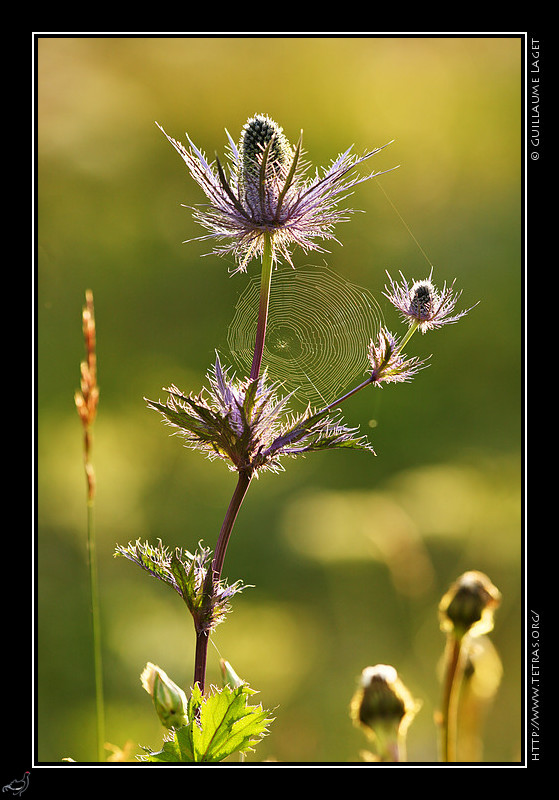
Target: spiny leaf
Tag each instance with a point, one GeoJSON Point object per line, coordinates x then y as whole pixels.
{"type": "Point", "coordinates": [220, 723]}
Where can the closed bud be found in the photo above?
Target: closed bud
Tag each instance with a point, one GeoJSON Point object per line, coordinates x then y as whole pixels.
{"type": "Point", "coordinates": [384, 707]}
{"type": "Point", "coordinates": [469, 604]}
{"type": "Point", "coordinates": [423, 305]}
{"type": "Point", "coordinates": [169, 699]}
{"type": "Point", "coordinates": [229, 675]}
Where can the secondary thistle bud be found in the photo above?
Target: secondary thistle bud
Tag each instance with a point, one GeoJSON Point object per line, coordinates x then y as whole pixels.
{"type": "Point", "coordinates": [384, 707]}
{"type": "Point", "coordinates": [387, 363]}
{"type": "Point", "coordinates": [423, 305]}
{"type": "Point", "coordinates": [468, 605]}
{"type": "Point", "coordinates": [169, 699]}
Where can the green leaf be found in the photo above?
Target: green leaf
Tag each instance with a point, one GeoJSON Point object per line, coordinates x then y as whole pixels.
{"type": "Point", "coordinates": [249, 401]}
{"type": "Point", "coordinates": [220, 723]}
{"type": "Point", "coordinates": [185, 580]}
{"type": "Point", "coordinates": [181, 418]}
{"type": "Point", "coordinates": [335, 441]}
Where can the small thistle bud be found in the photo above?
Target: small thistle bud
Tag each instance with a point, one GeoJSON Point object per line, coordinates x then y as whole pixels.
{"type": "Point", "coordinates": [229, 675]}
{"type": "Point", "coordinates": [468, 605]}
{"type": "Point", "coordinates": [384, 708]}
{"type": "Point", "coordinates": [169, 699]}
{"type": "Point", "coordinates": [387, 362]}
{"type": "Point", "coordinates": [423, 305]}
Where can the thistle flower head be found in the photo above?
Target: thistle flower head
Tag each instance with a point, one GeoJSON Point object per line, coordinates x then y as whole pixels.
{"type": "Point", "coordinates": [469, 605]}
{"type": "Point", "coordinates": [245, 423]}
{"type": "Point", "coordinates": [388, 365]}
{"type": "Point", "coordinates": [265, 193]}
{"type": "Point", "coordinates": [190, 575]}
{"type": "Point", "coordinates": [423, 304]}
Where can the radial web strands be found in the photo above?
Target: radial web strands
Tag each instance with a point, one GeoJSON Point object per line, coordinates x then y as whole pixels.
{"type": "Point", "coordinates": [318, 334]}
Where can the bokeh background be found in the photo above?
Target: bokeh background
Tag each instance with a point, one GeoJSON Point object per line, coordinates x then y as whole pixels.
{"type": "Point", "coordinates": [348, 554]}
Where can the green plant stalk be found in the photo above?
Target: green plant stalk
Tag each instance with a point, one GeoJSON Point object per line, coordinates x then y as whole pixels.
{"type": "Point", "coordinates": [265, 284]}
{"type": "Point", "coordinates": [86, 403]}
{"type": "Point", "coordinates": [96, 629]}
{"type": "Point", "coordinates": [390, 746]}
{"type": "Point", "coordinates": [451, 691]}
{"type": "Point", "coordinates": [94, 597]}
{"type": "Point", "coordinates": [412, 329]}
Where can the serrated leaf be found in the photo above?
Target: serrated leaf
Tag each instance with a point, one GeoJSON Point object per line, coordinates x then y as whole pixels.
{"type": "Point", "coordinates": [335, 441]}
{"type": "Point", "coordinates": [185, 580]}
{"type": "Point", "coordinates": [220, 723]}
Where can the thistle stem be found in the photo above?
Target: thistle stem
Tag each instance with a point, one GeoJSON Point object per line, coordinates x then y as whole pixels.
{"type": "Point", "coordinates": [202, 635]}
{"type": "Point", "coordinates": [245, 477]}
{"type": "Point", "coordinates": [265, 283]}
{"type": "Point", "coordinates": [390, 750]}
{"type": "Point", "coordinates": [451, 687]}
{"type": "Point", "coordinates": [200, 657]}
{"type": "Point", "coordinates": [347, 395]}
{"type": "Point", "coordinates": [370, 380]}
{"type": "Point", "coordinates": [241, 489]}
{"type": "Point", "coordinates": [412, 329]}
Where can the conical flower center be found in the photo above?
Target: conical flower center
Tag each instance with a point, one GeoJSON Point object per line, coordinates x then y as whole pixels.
{"type": "Point", "coordinates": [422, 300]}
{"type": "Point", "coordinates": [259, 133]}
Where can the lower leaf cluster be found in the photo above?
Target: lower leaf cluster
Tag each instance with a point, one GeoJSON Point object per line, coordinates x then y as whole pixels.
{"type": "Point", "coordinates": [220, 723]}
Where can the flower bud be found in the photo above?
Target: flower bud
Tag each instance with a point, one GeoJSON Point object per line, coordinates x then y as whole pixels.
{"type": "Point", "coordinates": [169, 699]}
{"type": "Point", "coordinates": [468, 605]}
{"type": "Point", "coordinates": [423, 305]}
{"type": "Point", "coordinates": [384, 707]}
{"type": "Point", "coordinates": [229, 675]}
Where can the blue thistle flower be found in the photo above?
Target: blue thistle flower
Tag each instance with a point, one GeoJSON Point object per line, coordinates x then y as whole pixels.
{"type": "Point", "coordinates": [241, 422]}
{"type": "Point", "coordinates": [266, 193]}
{"type": "Point", "coordinates": [423, 305]}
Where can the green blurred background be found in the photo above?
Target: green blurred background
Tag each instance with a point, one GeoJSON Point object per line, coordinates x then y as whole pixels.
{"type": "Point", "coordinates": [349, 554]}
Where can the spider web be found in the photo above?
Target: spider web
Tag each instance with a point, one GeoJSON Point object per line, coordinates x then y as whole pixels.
{"type": "Point", "coordinates": [318, 333]}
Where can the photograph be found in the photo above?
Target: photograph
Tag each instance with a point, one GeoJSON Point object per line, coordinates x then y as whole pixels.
{"type": "Point", "coordinates": [278, 318]}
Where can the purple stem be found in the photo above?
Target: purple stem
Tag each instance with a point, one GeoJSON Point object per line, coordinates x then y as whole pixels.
{"type": "Point", "coordinates": [214, 575]}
